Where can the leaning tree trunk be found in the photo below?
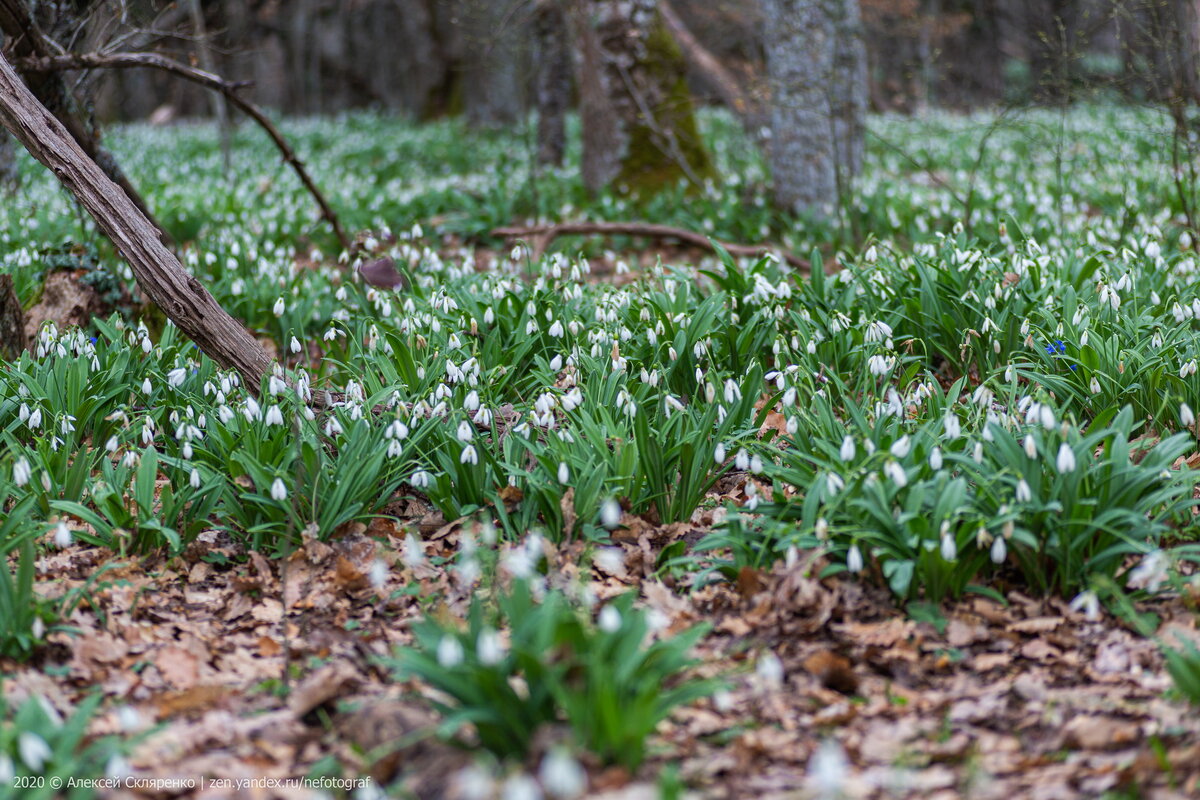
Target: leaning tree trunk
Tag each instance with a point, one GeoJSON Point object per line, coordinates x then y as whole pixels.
{"type": "Point", "coordinates": [639, 126]}
{"type": "Point", "coordinates": [552, 81]}
{"type": "Point", "coordinates": [816, 64]}
{"type": "Point", "coordinates": [158, 272]}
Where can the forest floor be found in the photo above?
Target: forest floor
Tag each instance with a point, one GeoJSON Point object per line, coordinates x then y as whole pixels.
{"type": "Point", "coordinates": [1028, 699]}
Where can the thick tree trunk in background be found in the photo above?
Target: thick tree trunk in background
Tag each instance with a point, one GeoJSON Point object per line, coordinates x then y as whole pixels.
{"type": "Point", "coordinates": [639, 126]}
{"type": "Point", "coordinates": [8, 163]}
{"type": "Point", "coordinates": [816, 64]}
{"type": "Point", "coordinates": [497, 38]}
{"type": "Point", "coordinates": [552, 89]}
{"type": "Point", "coordinates": [219, 108]}
{"type": "Point", "coordinates": [158, 272]}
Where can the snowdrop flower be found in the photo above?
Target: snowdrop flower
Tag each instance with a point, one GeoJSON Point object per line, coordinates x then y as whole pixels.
{"type": "Point", "coordinates": [742, 460]}
{"type": "Point", "coordinates": [1094, 385]}
{"type": "Point", "coordinates": [274, 416]}
{"type": "Point", "coordinates": [719, 453]}
{"type": "Point", "coordinates": [880, 365]}
{"type": "Point", "coordinates": [278, 308]}
{"type": "Point", "coordinates": [35, 419]}
{"type": "Point", "coordinates": [21, 471]}
{"type": "Point", "coordinates": [935, 459]}
{"type": "Point", "coordinates": [834, 483]}
{"type": "Point", "coordinates": [854, 559]}
{"type": "Point", "coordinates": [561, 775]}
{"type": "Point", "coordinates": [878, 332]}
{"type": "Point", "coordinates": [1150, 573]}
{"type": "Point", "coordinates": [609, 620]}
{"type": "Point", "coordinates": [732, 392]}
{"type": "Point", "coordinates": [421, 479]}
{"type": "Point", "coordinates": [952, 425]}
{"type": "Point", "coordinates": [901, 446]}
{"type": "Point", "coordinates": [1066, 459]}
{"type": "Point", "coordinates": [949, 546]}
{"type": "Point", "coordinates": [564, 474]}
{"type": "Point", "coordinates": [756, 464]}
{"type": "Point", "coordinates": [999, 550]}
{"type": "Point", "coordinates": [489, 649]}
{"type": "Point", "coordinates": [610, 513]}
{"type": "Point", "coordinates": [1088, 604]}
{"type": "Point", "coordinates": [1186, 417]}
{"type": "Point", "coordinates": [33, 750]}
{"type": "Point", "coordinates": [827, 770]}
{"type": "Point", "coordinates": [896, 474]}
{"type": "Point", "coordinates": [278, 490]}
{"type": "Point", "coordinates": [848, 450]}
{"type": "Point", "coordinates": [769, 670]}
{"type": "Point", "coordinates": [469, 455]}
{"type": "Point", "coordinates": [1024, 494]}
{"type": "Point", "coordinates": [1030, 446]}
{"type": "Point", "coordinates": [465, 432]}
{"type": "Point", "coordinates": [194, 479]}
{"type": "Point", "coordinates": [62, 535]}
{"type": "Point", "coordinates": [176, 377]}
{"type": "Point", "coordinates": [449, 651]}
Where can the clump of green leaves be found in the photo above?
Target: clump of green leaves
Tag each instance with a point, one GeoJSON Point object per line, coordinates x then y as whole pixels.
{"type": "Point", "coordinates": [608, 681]}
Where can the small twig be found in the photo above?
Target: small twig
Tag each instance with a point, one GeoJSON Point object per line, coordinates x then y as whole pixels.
{"type": "Point", "coordinates": [206, 79]}
{"type": "Point", "coordinates": [542, 235]}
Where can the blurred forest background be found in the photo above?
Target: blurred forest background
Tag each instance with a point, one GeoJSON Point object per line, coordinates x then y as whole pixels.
{"type": "Point", "coordinates": [480, 58]}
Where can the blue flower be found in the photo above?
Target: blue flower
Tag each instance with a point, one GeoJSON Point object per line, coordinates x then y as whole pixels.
{"type": "Point", "coordinates": [1057, 347]}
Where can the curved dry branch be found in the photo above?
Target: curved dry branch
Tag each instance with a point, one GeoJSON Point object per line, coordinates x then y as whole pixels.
{"type": "Point", "coordinates": [206, 79]}
{"type": "Point", "coordinates": [542, 235]}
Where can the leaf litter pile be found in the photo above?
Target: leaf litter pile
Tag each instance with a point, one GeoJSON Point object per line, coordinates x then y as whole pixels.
{"type": "Point", "coordinates": [1031, 699]}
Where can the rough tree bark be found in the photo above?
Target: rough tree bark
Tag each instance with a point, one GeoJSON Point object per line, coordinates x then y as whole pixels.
{"type": "Point", "coordinates": [219, 108]}
{"type": "Point", "coordinates": [710, 68]}
{"type": "Point", "coordinates": [24, 39]}
{"type": "Point", "coordinates": [158, 272]}
{"type": "Point", "coordinates": [8, 163]}
{"type": "Point", "coordinates": [552, 80]}
{"type": "Point", "coordinates": [816, 64]}
{"type": "Point", "coordinates": [639, 127]}
{"type": "Point", "coordinates": [497, 41]}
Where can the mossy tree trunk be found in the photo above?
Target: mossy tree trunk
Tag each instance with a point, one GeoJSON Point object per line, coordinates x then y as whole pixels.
{"type": "Point", "coordinates": [816, 65]}
{"type": "Point", "coordinates": [639, 125]}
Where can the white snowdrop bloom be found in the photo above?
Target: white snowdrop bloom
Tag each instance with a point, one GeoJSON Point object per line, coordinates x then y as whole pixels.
{"type": "Point", "coordinates": [489, 648]}
{"type": "Point", "coordinates": [274, 416]}
{"type": "Point", "coordinates": [719, 453]}
{"type": "Point", "coordinates": [896, 474]}
{"type": "Point", "coordinates": [556, 330]}
{"type": "Point", "coordinates": [278, 490]}
{"type": "Point", "coordinates": [789, 397]}
{"type": "Point", "coordinates": [999, 550]}
{"type": "Point", "coordinates": [146, 346]}
{"type": "Point", "coordinates": [35, 419]}
{"type": "Point", "coordinates": [294, 345]}
{"type": "Point", "coordinates": [564, 474]}
{"type": "Point", "coordinates": [278, 308]}
{"type": "Point", "coordinates": [935, 459]}
{"type": "Point", "coordinates": [1186, 417]}
{"type": "Point", "coordinates": [521, 787]}
{"type": "Point", "coordinates": [421, 479]}
{"type": "Point", "coordinates": [62, 535]}
{"type": "Point", "coordinates": [276, 385]}
{"type": "Point", "coordinates": [1088, 604]}
{"type": "Point", "coordinates": [854, 559]}
{"type": "Point", "coordinates": [449, 651]}
{"type": "Point", "coordinates": [465, 432]}
{"type": "Point", "coordinates": [948, 546]}
{"type": "Point", "coordinates": [847, 451]}
{"type": "Point", "coordinates": [609, 620]}
{"type": "Point", "coordinates": [1066, 459]}
{"type": "Point", "coordinates": [878, 332]}
{"type": "Point", "coordinates": [21, 471]}
{"type": "Point", "coordinates": [821, 528]}
{"type": "Point", "coordinates": [176, 377]}
{"type": "Point", "coordinates": [1094, 385]}
{"type": "Point", "coordinates": [1150, 573]}
{"type": "Point", "coordinates": [33, 750]}
{"type": "Point", "coordinates": [112, 444]}
{"type": "Point", "coordinates": [1047, 417]}
{"type": "Point", "coordinates": [769, 670]}
{"type": "Point", "coordinates": [469, 455]}
{"type": "Point", "coordinates": [834, 483]}
{"type": "Point", "coordinates": [561, 775]}
{"type": "Point", "coordinates": [952, 425]}
{"type": "Point", "coordinates": [1030, 445]}
{"type": "Point", "coordinates": [394, 448]}
{"type": "Point", "coordinates": [1024, 494]}
{"type": "Point", "coordinates": [413, 553]}
{"type": "Point", "coordinates": [827, 770]}
{"type": "Point", "coordinates": [732, 392]}
{"type": "Point", "coordinates": [756, 464]}
{"type": "Point", "coordinates": [977, 453]}
{"type": "Point", "coordinates": [610, 513]}
{"type": "Point", "coordinates": [194, 479]}
{"type": "Point", "coordinates": [793, 425]}
{"type": "Point", "coordinates": [880, 365]}
{"type": "Point", "coordinates": [901, 446]}
{"type": "Point", "coordinates": [742, 459]}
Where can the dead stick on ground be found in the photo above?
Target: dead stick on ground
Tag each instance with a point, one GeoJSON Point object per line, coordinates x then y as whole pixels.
{"type": "Point", "coordinates": [206, 79]}
{"type": "Point", "coordinates": [182, 298]}
{"type": "Point", "coordinates": [542, 235]}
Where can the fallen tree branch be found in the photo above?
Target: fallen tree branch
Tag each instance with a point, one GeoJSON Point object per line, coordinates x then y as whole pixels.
{"type": "Point", "coordinates": [206, 79]}
{"type": "Point", "coordinates": [182, 298]}
{"type": "Point", "coordinates": [541, 236]}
